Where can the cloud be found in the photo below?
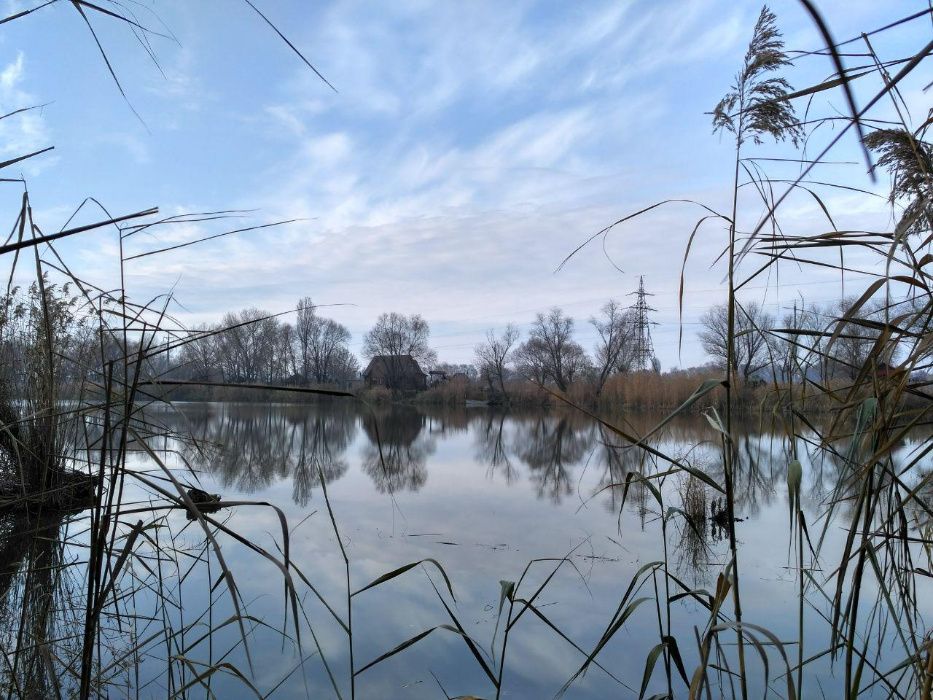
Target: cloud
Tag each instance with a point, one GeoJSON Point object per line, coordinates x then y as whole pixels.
{"type": "Point", "coordinates": [470, 148]}
{"type": "Point", "coordinates": [21, 132]}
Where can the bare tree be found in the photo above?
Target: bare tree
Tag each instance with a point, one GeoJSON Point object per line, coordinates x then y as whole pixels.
{"type": "Point", "coordinates": [343, 366]}
{"type": "Point", "coordinates": [576, 363]}
{"type": "Point", "coordinates": [304, 322]}
{"type": "Point", "coordinates": [798, 349]}
{"type": "Point", "coordinates": [852, 347]}
{"type": "Point", "coordinates": [199, 354]}
{"type": "Point", "coordinates": [614, 347]}
{"type": "Point", "coordinates": [493, 354]}
{"type": "Point", "coordinates": [550, 353]}
{"type": "Point", "coordinates": [320, 346]}
{"type": "Point", "coordinates": [531, 360]}
{"type": "Point", "coordinates": [750, 344]}
{"type": "Point", "coordinates": [328, 345]}
{"type": "Point", "coordinates": [241, 349]}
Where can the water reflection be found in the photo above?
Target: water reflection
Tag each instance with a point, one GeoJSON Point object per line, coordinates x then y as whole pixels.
{"type": "Point", "coordinates": [34, 617]}
{"type": "Point", "coordinates": [542, 471]}
{"type": "Point", "coordinates": [492, 448]}
{"type": "Point", "coordinates": [551, 446]}
{"type": "Point", "coordinates": [397, 452]}
{"type": "Point", "coordinates": [247, 448]}
{"type": "Point", "coordinates": [616, 462]}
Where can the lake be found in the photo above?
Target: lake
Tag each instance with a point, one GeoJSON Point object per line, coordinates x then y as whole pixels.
{"type": "Point", "coordinates": [481, 493]}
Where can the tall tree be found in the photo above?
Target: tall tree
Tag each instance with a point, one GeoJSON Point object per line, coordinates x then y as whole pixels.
{"type": "Point", "coordinates": [304, 323]}
{"type": "Point", "coordinates": [750, 349]}
{"type": "Point", "coordinates": [327, 349]}
{"type": "Point", "coordinates": [852, 347]}
{"type": "Point", "coordinates": [530, 360]}
{"type": "Point", "coordinates": [320, 346]}
{"type": "Point", "coordinates": [493, 354]}
{"type": "Point", "coordinates": [551, 353]}
{"type": "Point", "coordinates": [614, 346]}
{"type": "Point", "coordinates": [198, 358]}
{"type": "Point", "coordinates": [343, 366]}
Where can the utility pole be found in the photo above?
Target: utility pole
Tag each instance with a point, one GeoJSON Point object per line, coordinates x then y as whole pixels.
{"type": "Point", "coordinates": [643, 353]}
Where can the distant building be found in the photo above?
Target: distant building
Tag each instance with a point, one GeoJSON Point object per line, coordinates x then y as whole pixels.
{"type": "Point", "coordinates": [437, 376]}
{"type": "Point", "coordinates": [397, 372]}
{"type": "Point", "coordinates": [883, 370]}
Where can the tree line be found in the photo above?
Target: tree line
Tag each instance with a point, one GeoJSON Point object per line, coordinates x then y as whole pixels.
{"type": "Point", "coordinates": [255, 346]}
{"type": "Point", "coordinates": [832, 340]}
{"type": "Point", "coordinates": [551, 355]}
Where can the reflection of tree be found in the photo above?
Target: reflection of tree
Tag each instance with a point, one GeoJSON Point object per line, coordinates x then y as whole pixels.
{"type": "Point", "coordinates": [757, 470]}
{"type": "Point", "coordinates": [550, 445]}
{"type": "Point", "coordinates": [31, 612]}
{"type": "Point", "coordinates": [617, 462]}
{"type": "Point", "coordinates": [396, 456]}
{"type": "Point", "coordinates": [322, 442]}
{"type": "Point", "coordinates": [491, 447]}
{"type": "Point", "coordinates": [248, 447]}
{"type": "Point", "coordinates": [760, 462]}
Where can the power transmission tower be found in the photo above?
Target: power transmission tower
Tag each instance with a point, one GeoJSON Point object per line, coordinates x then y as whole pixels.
{"type": "Point", "coordinates": [643, 349]}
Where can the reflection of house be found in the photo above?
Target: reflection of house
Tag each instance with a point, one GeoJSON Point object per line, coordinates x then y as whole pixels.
{"type": "Point", "coordinates": [397, 427]}
{"type": "Point", "coordinates": [400, 372]}
{"type": "Point", "coordinates": [396, 454]}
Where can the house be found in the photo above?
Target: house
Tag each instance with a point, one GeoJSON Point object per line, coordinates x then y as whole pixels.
{"type": "Point", "coordinates": [397, 372]}
{"type": "Point", "coordinates": [437, 376]}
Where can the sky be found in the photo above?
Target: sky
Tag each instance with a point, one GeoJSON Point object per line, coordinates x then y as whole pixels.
{"type": "Point", "coordinates": [466, 150]}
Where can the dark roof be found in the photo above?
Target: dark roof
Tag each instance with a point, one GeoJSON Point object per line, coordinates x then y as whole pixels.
{"type": "Point", "coordinates": [406, 364]}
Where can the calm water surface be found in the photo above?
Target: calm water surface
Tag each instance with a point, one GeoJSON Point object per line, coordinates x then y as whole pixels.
{"type": "Point", "coordinates": [484, 493]}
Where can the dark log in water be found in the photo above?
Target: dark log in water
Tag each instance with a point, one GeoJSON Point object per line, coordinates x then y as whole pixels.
{"type": "Point", "coordinates": [204, 501]}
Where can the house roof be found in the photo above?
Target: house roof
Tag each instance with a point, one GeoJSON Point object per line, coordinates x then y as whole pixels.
{"type": "Point", "coordinates": [406, 364]}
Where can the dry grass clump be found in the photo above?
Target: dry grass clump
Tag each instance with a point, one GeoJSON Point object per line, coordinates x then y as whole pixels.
{"type": "Point", "coordinates": [376, 395]}
{"type": "Point", "coordinates": [526, 393]}
{"type": "Point", "coordinates": [693, 498]}
{"type": "Point", "coordinates": [452, 393]}
{"type": "Point", "coordinates": [693, 548]}
{"type": "Point", "coordinates": [654, 391]}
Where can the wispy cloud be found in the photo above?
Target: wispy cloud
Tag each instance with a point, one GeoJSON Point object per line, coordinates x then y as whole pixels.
{"type": "Point", "coordinates": [26, 131]}
{"type": "Point", "coordinates": [471, 146]}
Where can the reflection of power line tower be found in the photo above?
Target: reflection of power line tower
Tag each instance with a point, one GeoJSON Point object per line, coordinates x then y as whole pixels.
{"type": "Point", "coordinates": [643, 348]}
